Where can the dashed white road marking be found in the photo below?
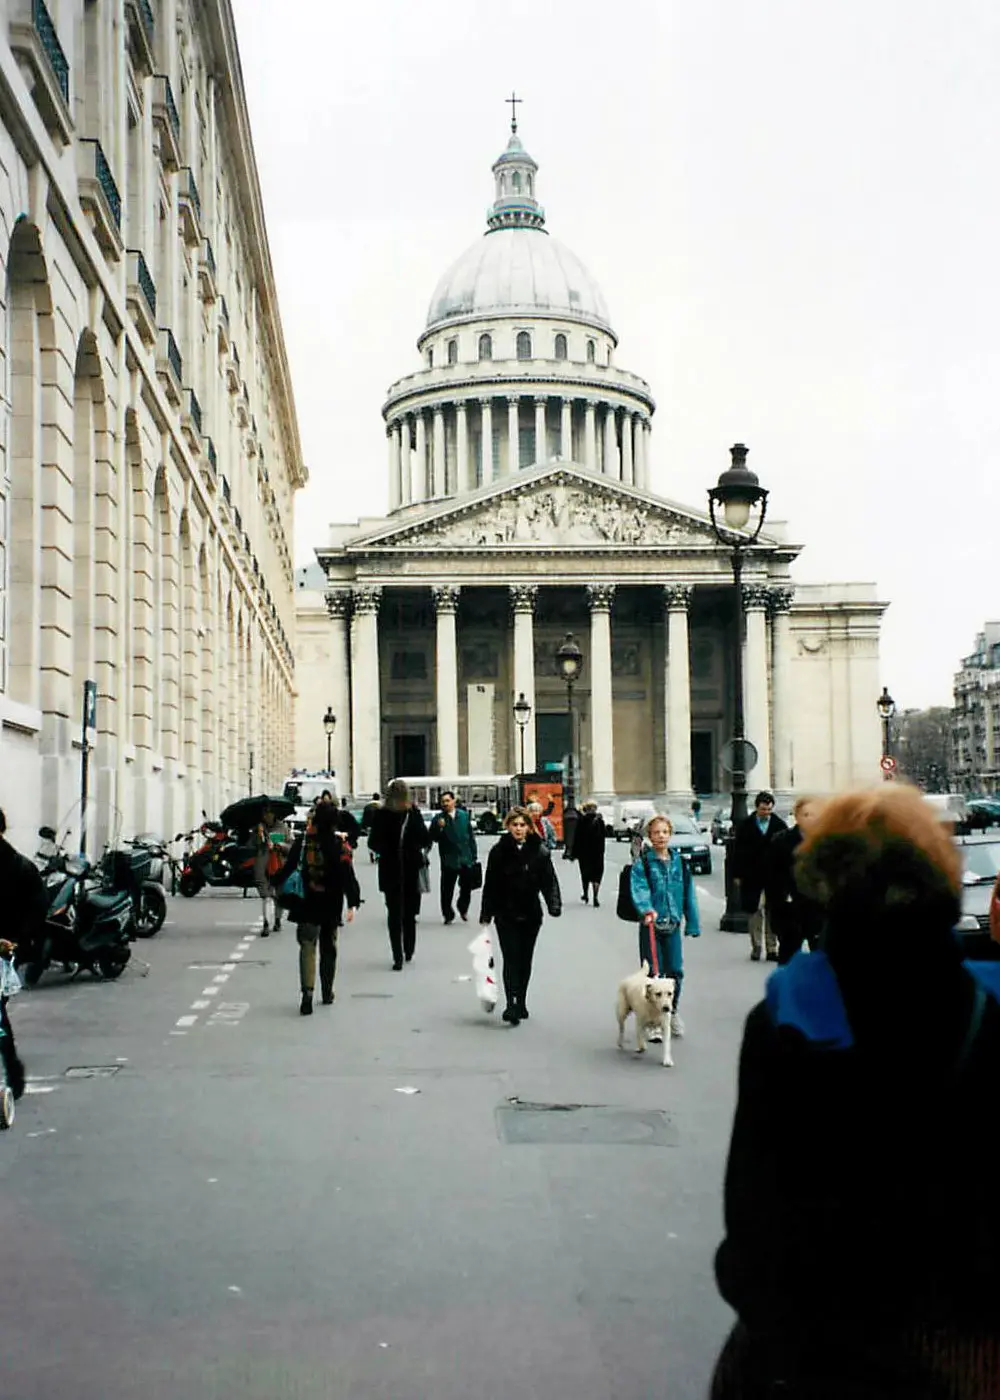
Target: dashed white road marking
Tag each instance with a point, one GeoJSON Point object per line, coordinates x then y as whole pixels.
{"type": "Point", "coordinates": [200, 1005]}
{"type": "Point", "coordinates": [210, 991]}
{"type": "Point", "coordinates": [222, 977]}
{"type": "Point", "coordinates": [186, 1020]}
{"type": "Point", "coordinates": [236, 956]}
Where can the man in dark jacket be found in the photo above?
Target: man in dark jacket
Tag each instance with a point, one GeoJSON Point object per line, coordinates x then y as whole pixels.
{"type": "Point", "coordinates": [367, 817]}
{"type": "Point", "coordinates": [347, 824]}
{"type": "Point", "coordinates": [23, 915]}
{"type": "Point", "coordinates": [794, 917]}
{"type": "Point", "coordinates": [456, 843]}
{"type": "Point", "coordinates": [751, 844]}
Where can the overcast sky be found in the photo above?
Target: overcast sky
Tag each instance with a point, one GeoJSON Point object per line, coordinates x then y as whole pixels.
{"type": "Point", "coordinates": [792, 207]}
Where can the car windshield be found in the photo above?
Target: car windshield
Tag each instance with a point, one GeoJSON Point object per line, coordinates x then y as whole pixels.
{"type": "Point", "coordinates": [684, 826]}
{"type": "Point", "coordinates": [982, 860]}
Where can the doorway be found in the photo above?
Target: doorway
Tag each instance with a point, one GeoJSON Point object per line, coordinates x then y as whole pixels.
{"type": "Point", "coordinates": [409, 755]}
{"type": "Point", "coordinates": [702, 761]}
{"type": "Point", "coordinates": [551, 739]}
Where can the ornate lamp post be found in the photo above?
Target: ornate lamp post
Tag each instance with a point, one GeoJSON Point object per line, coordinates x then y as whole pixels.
{"type": "Point", "coordinates": [742, 502]}
{"type": "Point", "coordinates": [329, 725]}
{"type": "Point", "coordinates": [569, 660]}
{"type": "Point", "coordinates": [522, 714]}
{"type": "Point", "coordinates": [886, 707]}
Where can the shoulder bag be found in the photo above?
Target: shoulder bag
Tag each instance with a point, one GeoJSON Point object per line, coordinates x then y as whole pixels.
{"type": "Point", "coordinates": [293, 891]}
{"type": "Point", "coordinates": [625, 908]}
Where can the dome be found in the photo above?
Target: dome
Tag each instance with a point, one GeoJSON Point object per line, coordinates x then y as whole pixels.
{"type": "Point", "coordinates": [518, 272]}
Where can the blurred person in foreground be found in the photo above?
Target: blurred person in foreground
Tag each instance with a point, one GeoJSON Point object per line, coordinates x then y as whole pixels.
{"type": "Point", "coordinates": [795, 918]}
{"type": "Point", "coordinates": [862, 1218]}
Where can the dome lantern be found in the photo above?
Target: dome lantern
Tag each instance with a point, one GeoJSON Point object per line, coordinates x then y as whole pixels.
{"type": "Point", "coordinates": [514, 177]}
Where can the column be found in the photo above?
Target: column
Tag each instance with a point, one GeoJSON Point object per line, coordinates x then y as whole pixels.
{"type": "Point", "coordinates": [783, 767]}
{"type": "Point", "coordinates": [464, 477]}
{"type": "Point", "coordinates": [541, 440]}
{"type": "Point", "coordinates": [421, 491]}
{"type": "Point", "coordinates": [647, 454]}
{"type": "Point", "coordinates": [486, 410]}
{"type": "Point", "coordinates": [395, 487]}
{"type": "Point", "coordinates": [513, 436]}
{"type": "Point", "coordinates": [590, 436]}
{"type": "Point", "coordinates": [437, 476]}
{"type": "Point", "coordinates": [522, 598]}
{"type": "Point", "coordinates": [639, 460]}
{"type": "Point", "coordinates": [602, 748]}
{"type": "Point", "coordinates": [337, 687]}
{"type": "Point", "coordinates": [405, 460]}
{"type": "Point", "coordinates": [566, 431]}
{"type": "Point", "coordinates": [756, 598]}
{"type": "Point", "coordinates": [677, 600]}
{"type": "Point", "coordinates": [366, 706]}
{"type": "Point", "coordinates": [610, 443]}
{"type": "Point", "coordinates": [627, 459]}
{"type": "Point", "coordinates": [446, 607]}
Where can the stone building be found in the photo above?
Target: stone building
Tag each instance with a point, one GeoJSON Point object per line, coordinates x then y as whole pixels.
{"type": "Point", "coordinates": [149, 451]}
{"type": "Point", "coordinates": [520, 510]}
{"type": "Point", "coordinates": [976, 717]}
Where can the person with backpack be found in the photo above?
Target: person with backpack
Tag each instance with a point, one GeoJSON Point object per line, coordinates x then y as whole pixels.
{"type": "Point", "coordinates": [322, 856]}
{"type": "Point", "coordinates": [663, 894]}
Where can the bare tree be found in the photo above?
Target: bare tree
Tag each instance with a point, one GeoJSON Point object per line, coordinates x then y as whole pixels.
{"type": "Point", "coordinates": [923, 747]}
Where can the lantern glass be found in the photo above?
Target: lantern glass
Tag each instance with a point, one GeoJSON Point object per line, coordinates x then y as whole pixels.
{"type": "Point", "coordinates": [736, 513]}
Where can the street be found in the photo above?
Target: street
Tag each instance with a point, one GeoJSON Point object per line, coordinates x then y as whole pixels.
{"type": "Point", "coordinates": [207, 1195]}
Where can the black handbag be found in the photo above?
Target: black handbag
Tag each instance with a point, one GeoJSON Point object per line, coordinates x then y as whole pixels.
{"type": "Point", "coordinates": [625, 908]}
{"type": "Point", "coordinates": [474, 876]}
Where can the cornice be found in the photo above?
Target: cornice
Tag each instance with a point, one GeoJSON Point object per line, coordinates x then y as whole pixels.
{"type": "Point", "coordinates": [470, 387]}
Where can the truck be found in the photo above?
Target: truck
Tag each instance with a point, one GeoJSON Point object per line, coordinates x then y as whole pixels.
{"type": "Point", "coordinates": [304, 786]}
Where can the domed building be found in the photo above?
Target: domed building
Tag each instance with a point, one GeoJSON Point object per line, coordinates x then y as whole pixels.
{"type": "Point", "coordinates": [520, 510]}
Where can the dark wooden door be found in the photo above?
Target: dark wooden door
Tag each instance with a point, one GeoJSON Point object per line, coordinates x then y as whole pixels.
{"type": "Point", "coordinates": [409, 753]}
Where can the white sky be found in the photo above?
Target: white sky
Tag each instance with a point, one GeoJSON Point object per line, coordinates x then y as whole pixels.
{"type": "Point", "coordinates": [793, 210]}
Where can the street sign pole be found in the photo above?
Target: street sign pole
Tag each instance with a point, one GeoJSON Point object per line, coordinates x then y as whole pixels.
{"type": "Point", "coordinates": [88, 728]}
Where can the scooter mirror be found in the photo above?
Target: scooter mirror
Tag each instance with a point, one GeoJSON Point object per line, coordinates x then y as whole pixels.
{"type": "Point", "coordinates": [47, 833]}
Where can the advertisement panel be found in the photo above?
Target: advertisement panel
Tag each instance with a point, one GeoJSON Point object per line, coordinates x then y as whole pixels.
{"type": "Point", "coordinates": [547, 789]}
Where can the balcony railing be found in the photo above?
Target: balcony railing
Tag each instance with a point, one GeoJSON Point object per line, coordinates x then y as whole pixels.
{"type": "Point", "coordinates": [174, 355]}
{"type": "Point", "coordinates": [226, 493]}
{"type": "Point", "coordinates": [238, 520]}
{"type": "Point", "coordinates": [107, 183]}
{"type": "Point", "coordinates": [145, 281]}
{"type": "Point", "coordinates": [194, 409]}
{"type": "Point", "coordinates": [210, 256]}
{"type": "Point", "coordinates": [148, 22]}
{"type": "Point", "coordinates": [213, 456]}
{"type": "Point", "coordinates": [42, 21]}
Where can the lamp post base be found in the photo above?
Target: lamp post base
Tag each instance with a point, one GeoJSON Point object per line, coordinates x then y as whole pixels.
{"type": "Point", "coordinates": [733, 920]}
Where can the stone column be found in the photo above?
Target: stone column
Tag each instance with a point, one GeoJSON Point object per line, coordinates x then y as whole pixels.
{"type": "Point", "coordinates": [338, 605]}
{"type": "Point", "coordinates": [366, 705]}
{"type": "Point", "coordinates": [600, 596]}
{"type": "Point", "coordinates": [465, 480]}
{"type": "Point", "coordinates": [611, 467]}
{"type": "Point", "coordinates": [486, 407]}
{"type": "Point", "coordinates": [639, 460]}
{"type": "Point", "coordinates": [566, 431]}
{"type": "Point", "coordinates": [405, 461]}
{"type": "Point", "coordinates": [627, 458]}
{"type": "Point", "coordinates": [522, 598]}
{"type": "Point", "coordinates": [590, 435]}
{"type": "Point", "coordinates": [423, 472]}
{"type": "Point", "coordinates": [513, 435]}
{"type": "Point", "coordinates": [446, 607]}
{"type": "Point", "coordinates": [395, 486]}
{"type": "Point", "coordinates": [541, 442]}
{"type": "Point", "coordinates": [783, 765]}
{"type": "Point", "coordinates": [756, 598]}
{"type": "Point", "coordinates": [437, 475]}
{"type": "Point", "coordinates": [677, 600]}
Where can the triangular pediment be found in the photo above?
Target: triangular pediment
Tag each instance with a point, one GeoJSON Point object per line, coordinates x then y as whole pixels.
{"type": "Point", "coordinates": [561, 506]}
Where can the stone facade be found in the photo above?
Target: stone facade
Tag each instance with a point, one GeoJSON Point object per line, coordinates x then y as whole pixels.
{"type": "Point", "coordinates": [976, 719]}
{"type": "Point", "coordinates": [149, 450]}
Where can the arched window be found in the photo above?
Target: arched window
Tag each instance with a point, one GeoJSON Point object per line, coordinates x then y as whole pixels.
{"type": "Point", "coordinates": [453, 352]}
{"type": "Point", "coordinates": [591, 351]}
{"type": "Point", "coordinates": [560, 346]}
{"type": "Point", "coordinates": [523, 345]}
{"type": "Point", "coordinates": [516, 182]}
{"type": "Point", "coordinates": [430, 357]}
{"type": "Point", "coordinates": [485, 347]}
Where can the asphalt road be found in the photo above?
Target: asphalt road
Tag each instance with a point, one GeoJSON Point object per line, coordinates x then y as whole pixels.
{"type": "Point", "coordinates": [206, 1195]}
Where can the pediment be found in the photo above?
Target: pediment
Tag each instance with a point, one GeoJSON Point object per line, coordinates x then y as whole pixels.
{"type": "Point", "coordinates": [561, 508]}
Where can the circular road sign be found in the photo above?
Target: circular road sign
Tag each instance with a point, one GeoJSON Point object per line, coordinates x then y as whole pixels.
{"type": "Point", "coordinates": [887, 763]}
{"type": "Point", "coordinates": [728, 755]}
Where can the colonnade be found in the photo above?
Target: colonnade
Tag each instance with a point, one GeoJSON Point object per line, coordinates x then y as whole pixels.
{"type": "Point", "coordinates": [450, 448]}
{"type": "Point", "coordinates": [766, 657]}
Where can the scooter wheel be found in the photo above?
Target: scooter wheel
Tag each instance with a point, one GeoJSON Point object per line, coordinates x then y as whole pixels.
{"type": "Point", "coordinates": [152, 912]}
{"type": "Point", "coordinates": [111, 965]}
{"type": "Point", "coordinates": [190, 885]}
{"type": "Point", "coordinates": [6, 1108]}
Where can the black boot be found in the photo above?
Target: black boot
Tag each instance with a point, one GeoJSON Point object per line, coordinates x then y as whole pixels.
{"type": "Point", "coordinates": [306, 1004]}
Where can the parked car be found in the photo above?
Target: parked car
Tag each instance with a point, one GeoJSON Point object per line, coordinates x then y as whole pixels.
{"type": "Point", "coordinates": [981, 862]}
{"type": "Point", "coordinates": [690, 841]}
{"type": "Point", "coordinates": [982, 812]}
{"type": "Point", "coordinates": [722, 825]}
{"type": "Point", "coordinates": [950, 807]}
{"type": "Point", "coordinates": [632, 815]}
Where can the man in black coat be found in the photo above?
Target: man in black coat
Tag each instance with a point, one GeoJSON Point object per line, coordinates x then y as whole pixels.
{"type": "Point", "coordinates": [751, 845]}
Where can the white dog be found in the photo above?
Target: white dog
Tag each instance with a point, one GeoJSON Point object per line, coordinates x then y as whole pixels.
{"type": "Point", "coordinates": [651, 1001]}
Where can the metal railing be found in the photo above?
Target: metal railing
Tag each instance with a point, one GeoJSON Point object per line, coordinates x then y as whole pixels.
{"type": "Point", "coordinates": [210, 256]}
{"type": "Point", "coordinates": [172, 113]}
{"type": "Point", "coordinates": [192, 191]}
{"type": "Point", "coordinates": [213, 456]}
{"type": "Point", "coordinates": [107, 183]}
{"type": "Point", "coordinates": [238, 520]}
{"type": "Point", "coordinates": [42, 21]}
{"type": "Point", "coordinates": [194, 408]}
{"type": "Point", "coordinates": [148, 22]}
{"type": "Point", "coordinates": [146, 284]}
{"type": "Point", "coordinates": [173, 354]}
{"type": "Point", "coordinates": [226, 493]}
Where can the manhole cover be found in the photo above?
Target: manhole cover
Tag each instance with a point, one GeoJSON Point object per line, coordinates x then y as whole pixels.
{"type": "Point", "coordinates": [575, 1124]}
{"type": "Point", "coordinates": [92, 1071]}
{"type": "Point", "coordinates": [371, 996]}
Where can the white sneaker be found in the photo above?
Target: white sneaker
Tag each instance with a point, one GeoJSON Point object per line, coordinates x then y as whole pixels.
{"type": "Point", "coordinates": [676, 1026]}
{"type": "Point", "coordinates": [655, 1036]}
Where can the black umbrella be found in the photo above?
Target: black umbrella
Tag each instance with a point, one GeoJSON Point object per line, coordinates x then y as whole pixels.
{"type": "Point", "coordinates": [248, 812]}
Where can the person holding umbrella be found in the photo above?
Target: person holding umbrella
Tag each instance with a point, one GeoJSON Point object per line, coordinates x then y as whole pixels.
{"type": "Point", "coordinates": [269, 837]}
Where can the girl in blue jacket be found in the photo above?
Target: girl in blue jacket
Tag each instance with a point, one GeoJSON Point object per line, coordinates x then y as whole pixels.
{"type": "Point", "coordinates": [663, 893]}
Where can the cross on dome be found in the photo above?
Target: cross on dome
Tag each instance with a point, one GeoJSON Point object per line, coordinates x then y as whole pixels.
{"type": "Point", "coordinates": [515, 102]}
{"type": "Point", "coordinates": [514, 174]}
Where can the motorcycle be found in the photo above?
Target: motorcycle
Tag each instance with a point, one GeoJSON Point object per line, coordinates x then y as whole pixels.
{"type": "Point", "coordinates": [219, 862]}
{"type": "Point", "coordinates": [89, 920]}
{"type": "Point", "coordinates": [140, 871]}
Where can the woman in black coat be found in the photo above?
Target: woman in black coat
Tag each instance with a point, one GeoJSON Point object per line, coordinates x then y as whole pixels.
{"type": "Point", "coordinates": [862, 1245]}
{"type": "Point", "coordinates": [519, 875]}
{"type": "Point", "coordinates": [588, 849]}
{"type": "Point", "coordinates": [400, 838]}
{"type": "Point", "coordinates": [328, 881]}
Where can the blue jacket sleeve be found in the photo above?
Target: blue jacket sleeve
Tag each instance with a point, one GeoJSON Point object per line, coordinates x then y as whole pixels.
{"type": "Point", "coordinates": [692, 921]}
{"type": "Point", "coordinates": [642, 895]}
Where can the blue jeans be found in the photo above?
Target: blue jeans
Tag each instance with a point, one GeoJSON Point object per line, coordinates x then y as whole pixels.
{"type": "Point", "coordinates": [665, 957]}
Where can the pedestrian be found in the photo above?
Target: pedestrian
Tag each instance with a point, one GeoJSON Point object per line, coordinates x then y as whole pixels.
{"type": "Point", "coordinates": [269, 838]}
{"type": "Point", "coordinates": [328, 883]}
{"type": "Point", "coordinates": [589, 845]}
{"type": "Point", "coordinates": [570, 818]}
{"type": "Point", "coordinates": [456, 843]}
{"type": "Point", "coordinates": [542, 825]}
{"type": "Point", "coordinates": [663, 893]}
{"type": "Point", "coordinates": [519, 876]}
{"type": "Point", "coordinates": [862, 1220]}
{"type": "Point", "coordinates": [750, 854]}
{"type": "Point", "coordinates": [400, 839]}
{"type": "Point", "coordinates": [795, 918]}
{"type": "Point", "coordinates": [23, 923]}
{"type": "Point", "coordinates": [347, 824]}
{"type": "Point", "coordinates": [367, 817]}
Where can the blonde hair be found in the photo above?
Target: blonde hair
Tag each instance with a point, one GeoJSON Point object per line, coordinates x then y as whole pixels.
{"type": "Point", "coordinates": [804, 801]}
{"type": "Point", "coordinates": [533, 807]}
{"type": "Point", "coordinates": [659, 817]}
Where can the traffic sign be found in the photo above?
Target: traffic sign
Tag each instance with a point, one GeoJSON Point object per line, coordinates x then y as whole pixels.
{"type": "Point", "coordinates": [887, 763]}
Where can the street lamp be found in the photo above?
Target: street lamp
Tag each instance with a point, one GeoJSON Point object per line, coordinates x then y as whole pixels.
{"type": "Point", "coordinates": [742, 501]}
{"type": "Point", "coordinates": [886, 707]}
{"type": "Point", "coordinates": [329, 725]}
{"type": "Point", "coordinates": [569, 660]}
{"type": "Point", "coordinates": [522, 714]}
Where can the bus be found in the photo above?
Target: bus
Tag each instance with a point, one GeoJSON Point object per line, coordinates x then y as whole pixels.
{"type": "Point", "coordinates": [489, 797]}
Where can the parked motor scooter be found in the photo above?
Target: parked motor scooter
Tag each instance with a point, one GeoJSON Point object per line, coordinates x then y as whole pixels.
{"type": "Point", "coordinates": [89, 922]}
{"type": "Point", "coordinates": [219, 862]}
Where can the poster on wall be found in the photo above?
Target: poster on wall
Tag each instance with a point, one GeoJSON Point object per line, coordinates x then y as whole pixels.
{"type": "Point", "coordinates": [547, 789]}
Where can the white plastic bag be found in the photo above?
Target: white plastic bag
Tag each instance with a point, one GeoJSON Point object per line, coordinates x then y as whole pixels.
{"type": "Point", "coordinates": [10, 982]}
{"type": "Point", "coordinates": [481, 949]}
